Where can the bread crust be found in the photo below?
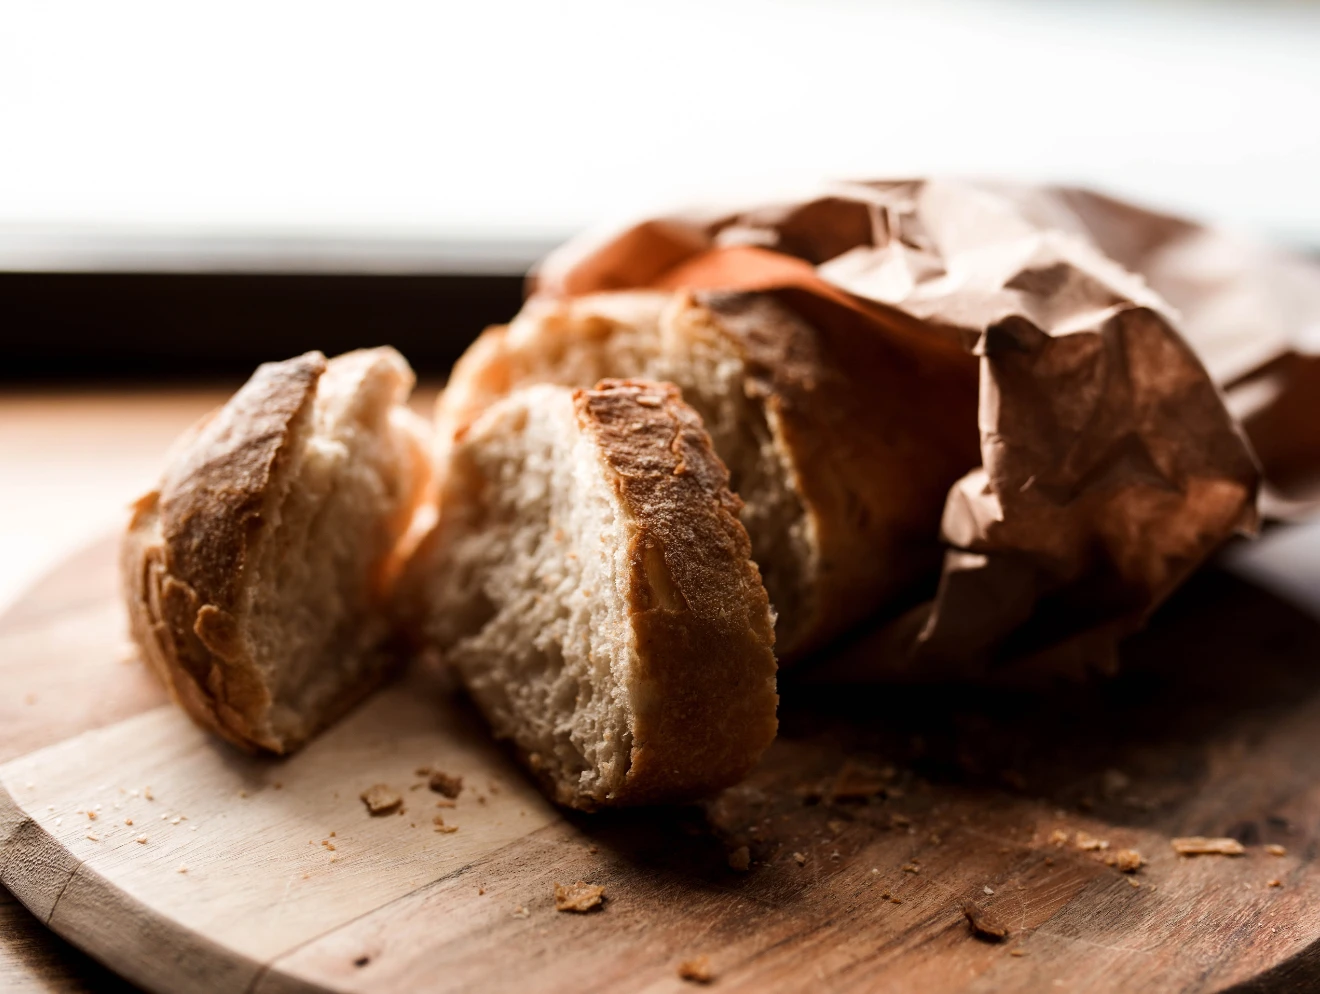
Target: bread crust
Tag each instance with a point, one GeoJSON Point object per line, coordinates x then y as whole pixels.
{"type": "Point", "coordinates": [183, 557]}
{"type": "Point", "coordinates": [875, 436]}
{"type": "Point", "coordinates": [187, 559]}
{"type": "Point", "coordinates": [703, 691]}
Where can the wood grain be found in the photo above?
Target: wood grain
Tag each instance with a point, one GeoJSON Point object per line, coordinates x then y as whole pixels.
{"type": "Point", "coordinates": [1213, 730]}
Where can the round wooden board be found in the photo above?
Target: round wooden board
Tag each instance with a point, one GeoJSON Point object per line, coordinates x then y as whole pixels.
{"type": "Point", "coordinates": [872, 822]}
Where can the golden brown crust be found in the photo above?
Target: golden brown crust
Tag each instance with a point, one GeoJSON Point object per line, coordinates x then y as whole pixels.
{"type": "Point", "coordinates": [187, 544]}
{"type": "Point", "coordinates": [875, 434]}
{"type": "Point", "coordinates": [703, 693]}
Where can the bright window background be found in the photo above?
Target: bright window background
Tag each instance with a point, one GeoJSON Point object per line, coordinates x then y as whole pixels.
{"type": "Point", "coordinates": [501, 120]}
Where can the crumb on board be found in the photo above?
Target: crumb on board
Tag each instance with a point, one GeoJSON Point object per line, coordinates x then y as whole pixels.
{"type": "Point", "coordinates": [182, 869]}
{"type": "Point", "coordinates": [1017, 952]}
{"type": "Point", "coordinates": [1125, 860]}
{"type": "Point", "coordinates": [381, 799]}
{"type": "Point", "coordinates": [859, 782]}
{"type": "Point", "coordinates": [91, 816]}
{"type": "Point", "coordinates": [444, 802]}
{"type": "Point", "coordinates": [1276, 850]}
{"type": "Point", "coordinates": [92, 838]}
{"type": "Point", "coordinates": [740, 859]}
{"type": "Point", "coordinates": [1058, 837]}
{"type": "Point", "coordinates": [422, 771]}
{"type": "Point", "coordinates": [580, 897]}
{"type": "Point", "coordinates": [593, 850]}
{"type": "Point", "coordinates": [521, 912]}
{"type": "Point", "coordinates": [984, 925]}
{"type": "Point", "coordinates": [799, 859]}
{"type": "Point", "coordinates": [1199, 845]}
{"type": "Point", "coordinates": [911, 868]}
{"type": "Point", "coordinates": [696, 970]}
{"type": "Point", "coordinates": [1132, 881]}
{"type": "Point", "coordinates": [441, 827]}
{"type": "Point", "coordinates": [142, 840]}
{"type": "Point", "coordinates": [444, 783]}
{"type": "Point", "coordinates": [146, 792]}
{"type": "Point", "coordinates": [1274, 883]}
{"type": "Point", "coordinates": [128, 821]}
{"type": "Point", "coordinates": [1089, 843]}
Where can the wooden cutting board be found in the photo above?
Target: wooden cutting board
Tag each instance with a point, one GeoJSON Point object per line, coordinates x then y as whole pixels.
{"type": "Point", "coordinates": [875, 817]}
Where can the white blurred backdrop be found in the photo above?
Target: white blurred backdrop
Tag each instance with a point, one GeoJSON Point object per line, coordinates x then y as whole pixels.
{"type": "Point", "coordinates": [510, 122]}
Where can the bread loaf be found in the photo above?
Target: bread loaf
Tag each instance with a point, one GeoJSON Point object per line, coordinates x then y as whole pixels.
{"type": "Point", "coordinates": [841, 444]}
{"type": "Point", "coordinates": [591, 583]}
{"type": "Point", "coordinates": [258, 575]}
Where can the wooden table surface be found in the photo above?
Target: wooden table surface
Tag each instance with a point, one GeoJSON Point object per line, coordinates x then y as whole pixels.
{"type": "Point", "coordinates": [72, 461]}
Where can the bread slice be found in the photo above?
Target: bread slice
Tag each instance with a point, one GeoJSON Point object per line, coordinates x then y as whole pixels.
{"type": "Point", "coordinates": [591, 583]}
{"type": "Point", "coordinates": [257, 576]}
{"type": "Point", "coordinates": [841, 445]}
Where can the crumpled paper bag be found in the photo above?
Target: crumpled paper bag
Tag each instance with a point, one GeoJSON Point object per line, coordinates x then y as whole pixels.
{"type": "Point", "coordinates": [1110, 466]}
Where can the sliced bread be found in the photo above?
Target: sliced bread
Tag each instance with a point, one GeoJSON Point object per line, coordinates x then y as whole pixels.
{"type": "Point", "coordinates": [592, 585]}
{"type": "Point", "coordinates": [258, 575]}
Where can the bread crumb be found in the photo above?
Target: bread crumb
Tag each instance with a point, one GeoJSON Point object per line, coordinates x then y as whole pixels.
{"type": "Point", "coordinates": [422, 771]}
{"type": "Point", "coordinates": [146, 792]}
{"type": "Point", "coordinates": [740, 859]}
{"type": "Point", "coordinates": [1276, 850]}
{"type": "Point", "coordinates": [1049, 860]}
{"type": "Point", "coordinates": [593, 849]}
{"type": "Point", "coordinates": [332, 834]}
{"type": "Point", "coordinates": [696, 970]}
{"type": "Point", "coordinates": [480, 890]}
{"type": "Point", "coordinates": [580, 897]}
{"type": "Point", "coordinates": [1017, 952]}
{"type": "Point", "coordinates": [895, 900]}
{"type": "Point", "coordinates": [858, 782]}
{"type": "Point", "coordinates": [521, 912]}
{"type": "Point", "coordinates": [987, 889]}
{"type": "Point", "coordinates": [911, 868]}
{"type": "Point", "coordinates": [142, 840]}
{"type": "Point", "coordinates": [984, 925]}
{"type": "Point", "coordinates": [128, 821]}
{"type": "Point", "coordinates": [444, 783]}
{"type": "Point", "coordinates": [182, 869]}
{"type": "Point", "coordinates": [1198, 845]}
{"type": "Point", "coordinates": [440, 826]}
{"type": "Point", "coordinates": [799, 859]}
{"type": "Point", "coordinates": [1058, 837]}
{"type": "Point", "coordinates": [1132, 881]}
{"type": "Point", "coordinates": [330, 846]}
{"type": "Point", "coordinates": [381, 799]}
{"type": "Point", "coordinates": [91, 816]}
{"type": "Point", "coordinates": [1274, 883]}
{"type": "Point", "coordinates": [1126, 860]}
{"type": "Point", "coordinates": [92, 838]}
{"type": "Point", "coordinates": [443, 803]}
{"type": "Point", "coordinates": [1089, 843]}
